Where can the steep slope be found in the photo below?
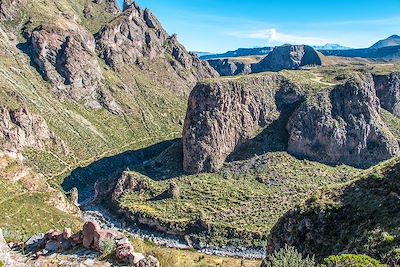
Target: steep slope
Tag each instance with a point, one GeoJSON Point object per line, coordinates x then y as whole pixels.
{"type": "Point", "coordinates": [393, 40]}
{"type": "Point", "coordinates": [359, 217]}
{"type": "Point", "coordinates": [288, 57]}
{"type": "Point", "coordinates": [63, 107]}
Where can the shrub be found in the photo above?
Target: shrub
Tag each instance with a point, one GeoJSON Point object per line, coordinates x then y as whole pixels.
{"type": "Point", "coordinates": [109, 248]}
{"type": "Point", "coordinates": [1, 263]}
{"type": "Point", "coordinates": [350, 260]}
{"type": "Point", "coordinates": [288, 257]}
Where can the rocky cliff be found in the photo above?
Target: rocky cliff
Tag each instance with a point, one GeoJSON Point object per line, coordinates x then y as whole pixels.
{"type": "Point", "coordinates": [226, 67]}
{"type": "Point", "coordinates": [64, 53]}
{"type": "Point", "coordinates": [222, 114]}
{"type": "Point", "coordinates": [137, 38]}
{"type": "Point", "coordinates": [20, 129]}
{"type": "Point", "coordinates": [8, 8]}
{"type": "Point", "coordinates": [388, 91]}
{"type": "Point", "coordinates": [288, 57]}
{"type": "Point", "coordinates": [342, 126]}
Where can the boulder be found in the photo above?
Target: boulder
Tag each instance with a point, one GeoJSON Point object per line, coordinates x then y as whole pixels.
{"type": "Point", "coordinates": [221, 115]}
{"type": "Point", "coordinates": [148, 261]}
{"type": "Point", "coordinates": [124, 250]}
{"type": "Point", "coordinates": [342, 126]}
{"type": "Point", "coordinates": [388, 91]}
{"type": "Point", "coordinates": [288, 57]}
{"type": "Point", "coordinates": [74, 196]}
{"type": "Point", "coordinates": [102, 235]}
{"type": "Point", "coordinates": [88, 233]}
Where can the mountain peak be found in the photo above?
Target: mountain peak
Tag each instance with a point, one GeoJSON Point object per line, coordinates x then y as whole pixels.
{"type": "Point", "coordinates": [390, 41]}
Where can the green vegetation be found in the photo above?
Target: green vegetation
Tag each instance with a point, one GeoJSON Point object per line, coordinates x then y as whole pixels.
{"type": "Point", "coordinates": [240, 204]}
{"type": "Point", "coordinates": [288, 257]}
{"type": "Point", "coordinates": [186, 258]}
{"type": "Point", "coordinates": [1, 263]}
{"type": "Point", "coordinates": [349, 260]}
{"type": "Point", "coordinates": [28, 206]}
{"type": "Point", "coordinates": [108, 251]}
{"type": "Point", "coordinates": [361, 216]}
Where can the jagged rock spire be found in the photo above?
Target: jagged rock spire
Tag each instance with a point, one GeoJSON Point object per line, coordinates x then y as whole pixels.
{"type": "Point", "coordinates": [127, 4]}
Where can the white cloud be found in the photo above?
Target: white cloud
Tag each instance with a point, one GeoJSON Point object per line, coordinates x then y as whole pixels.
{"type": "Point", "coordinates": [273, 37]}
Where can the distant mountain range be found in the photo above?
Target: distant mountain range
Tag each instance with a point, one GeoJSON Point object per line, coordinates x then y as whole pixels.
{"type": "Point", "coordinates": [393, 40]}
{"type": "Point", "coordinates": [387, 49]}
{"type": "Point", "coordinates": [331, 47]}
{"type": "Point", "coordinates": [241, 52]}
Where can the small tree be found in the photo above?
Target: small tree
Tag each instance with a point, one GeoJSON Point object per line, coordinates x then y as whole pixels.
{"type": "Point", "coordinates": [288, 257]}
{"type": "Point", "coordinates": [350, 260]}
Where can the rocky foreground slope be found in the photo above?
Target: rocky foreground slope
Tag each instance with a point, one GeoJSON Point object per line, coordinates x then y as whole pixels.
{"type": "Point", "coordinates": [81, 80]}
{"type": "Point", "coordinates": [341, 125]}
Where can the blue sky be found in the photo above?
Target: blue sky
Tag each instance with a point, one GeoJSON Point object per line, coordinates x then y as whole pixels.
{"type": "Point", "coordinates": [221, 25]}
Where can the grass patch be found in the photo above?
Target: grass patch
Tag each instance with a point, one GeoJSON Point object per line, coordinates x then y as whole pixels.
{"type": "Point", "coordinates": [186, 258]}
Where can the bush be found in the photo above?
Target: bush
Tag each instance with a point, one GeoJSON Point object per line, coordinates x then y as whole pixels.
{"type": "Point", "coordinates": [108, 250]}
{"type": "Point", "coordinates": [288, 257]}
{"type": "Point", "coordinates": [1, 263]}
{"type": "Point", "coordinates": [349, 260]}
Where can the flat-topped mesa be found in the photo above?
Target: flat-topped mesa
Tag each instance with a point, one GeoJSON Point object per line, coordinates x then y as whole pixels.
{"type": "Point", "coordinates": [288, 57]}
{"type": "Point", "coordinates": [137, 38]}
{"type": "Point", "coordinates": [221, 114]}
{"type": "Point", "coordinates": [342, 126]}
{"type": "Point", "coordinates": [388, 91]}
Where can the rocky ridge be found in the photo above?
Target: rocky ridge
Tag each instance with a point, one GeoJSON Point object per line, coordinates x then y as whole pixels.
{"type": "Point", "coordinates": [137, 38]}
{"type": "Point", "coordinates": [226, 67]}
{"type": "Point", "coordinates": [65, 56]}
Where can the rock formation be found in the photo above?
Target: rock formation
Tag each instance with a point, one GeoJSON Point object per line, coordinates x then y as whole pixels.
{"type": "Point", "coordinates": [136, 38]}
{"type": "Point", "coordinates": [342, 127]}
{"type": "Point", "coordinates": [8, 8]}
{"type": "Point", "coordinates": [91, 237]}
{"type": "Point", "coordinates": [288, 57]}
{"type": "Point", "coordinates": [388, 91]}
{"type": "Point", "coordinates": [65, 56]}
{"type": "Point", "coordinates": [21, 128]}
{"type": "Point", "coordinates": [221, 115]}
{"type": "Point", "coordinates": [128, 183]}
{"type": "Point", "coordinates": [226, 67]}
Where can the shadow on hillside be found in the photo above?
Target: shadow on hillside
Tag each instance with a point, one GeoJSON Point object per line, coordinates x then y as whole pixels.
{"type": "Point", "coordinates": [273, 138]}
{"type": "Point", "coordinates": [111, 168]}
{"type": "Point", "coordinates": [360, 219]}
